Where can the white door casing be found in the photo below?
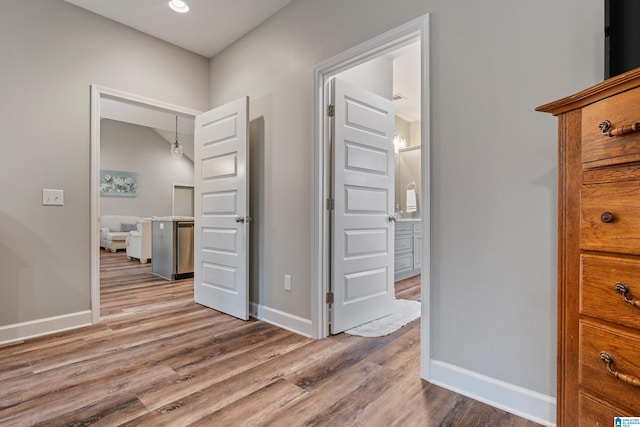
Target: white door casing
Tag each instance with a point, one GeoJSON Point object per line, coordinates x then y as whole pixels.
{"type": "Point", "coordinates": [363, 193]}
{"type": "Point", "coordinates": [221, 177]}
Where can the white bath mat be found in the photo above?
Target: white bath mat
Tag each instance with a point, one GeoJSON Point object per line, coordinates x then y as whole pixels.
{"type": "Point", "coordinates": [404, 312]}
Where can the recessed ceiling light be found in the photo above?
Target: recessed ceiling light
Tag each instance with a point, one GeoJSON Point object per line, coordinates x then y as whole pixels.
{"type": "Point", "coordinates": [179, 6]}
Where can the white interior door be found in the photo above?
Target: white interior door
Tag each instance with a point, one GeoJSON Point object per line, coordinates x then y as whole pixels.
{"type": "Point", "coordinates": [221, 178]}
{"type": "Point", "coordinates": [363, 192]}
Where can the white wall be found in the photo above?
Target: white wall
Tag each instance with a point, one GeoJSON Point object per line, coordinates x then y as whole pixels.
{"type": "Point", "coordinates": [51, 53]}
{"type": "Point", "coordinates": [403, 128]}
{"type": "Point", "coordinates": [375, 76]}
{"type": "Point", "coordinates": [133, 148]}
{"type": "Point", "coordinates": [415, 130]}
{"type": "Point", "coordinates": [493, 159]}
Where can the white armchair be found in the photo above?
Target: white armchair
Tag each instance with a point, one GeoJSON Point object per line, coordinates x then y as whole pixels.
{"type": "Point", "coordinates": [139, 242]}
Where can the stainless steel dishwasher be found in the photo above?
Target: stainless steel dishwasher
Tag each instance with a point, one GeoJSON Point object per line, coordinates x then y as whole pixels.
{"type": "Point", "coordinates": [172, 248]}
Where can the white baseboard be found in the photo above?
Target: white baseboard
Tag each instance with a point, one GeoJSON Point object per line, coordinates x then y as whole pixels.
{"type": "Point", "coordinates": [281, 319]}
{"type": "Point", "coordinates": [517, 400]}
{"type": "Point", "coordinates": [35, 328]}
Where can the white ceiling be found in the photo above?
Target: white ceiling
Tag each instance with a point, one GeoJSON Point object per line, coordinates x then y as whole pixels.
{"type": "Point", "coordinates": [206, 29]}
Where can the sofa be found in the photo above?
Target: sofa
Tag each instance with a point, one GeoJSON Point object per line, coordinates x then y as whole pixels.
{"type": "Point", "coordinates": [115, 229]}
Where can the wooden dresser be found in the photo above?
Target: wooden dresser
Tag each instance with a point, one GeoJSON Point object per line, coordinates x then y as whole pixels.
{"type": "Point", "coordinates": [599, 252]}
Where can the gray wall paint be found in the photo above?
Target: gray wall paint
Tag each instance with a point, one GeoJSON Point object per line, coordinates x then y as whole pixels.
{"type": "Point", "coordinates": [133, 148]}
{"type": "Point", "coordinates": [493, 159]}
{"type": "Point", "coordinates": [51, 53]}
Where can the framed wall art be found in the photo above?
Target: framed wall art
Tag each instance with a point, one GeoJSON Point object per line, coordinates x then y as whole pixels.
{"type": "Point", "coordinates": [118, 183]}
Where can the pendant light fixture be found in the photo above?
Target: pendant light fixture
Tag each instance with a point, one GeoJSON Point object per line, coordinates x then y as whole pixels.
{"type": "Point", "coordinates": [176, 147]}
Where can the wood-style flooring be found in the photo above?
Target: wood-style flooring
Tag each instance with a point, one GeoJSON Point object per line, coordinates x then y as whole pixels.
{"type": "Point", "coordinates": [159, 359]}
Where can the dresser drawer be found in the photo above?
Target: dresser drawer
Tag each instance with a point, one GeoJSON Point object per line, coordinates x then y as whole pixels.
{"type": "Point", "coordinates": [621, 111]}
{"type": "Point", "coordinates": [594, 412]}
{"type": "Point", "coordinates": [598, 297]}
{"type": "Point", "coordinates": [619, 233]}
{"type": "Point", "coordinates": [593, 374]}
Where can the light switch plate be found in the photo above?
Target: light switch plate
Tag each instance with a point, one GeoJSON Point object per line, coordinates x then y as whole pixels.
{"type": "Point", "coordinates": [52, 197]}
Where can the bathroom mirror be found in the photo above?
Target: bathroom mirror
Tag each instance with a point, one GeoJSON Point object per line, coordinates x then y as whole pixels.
{"type": "Point", "coordinates": [407, 165]}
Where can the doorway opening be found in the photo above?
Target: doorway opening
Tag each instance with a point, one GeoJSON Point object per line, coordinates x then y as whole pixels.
{"type": "Point", "coordinates": [112, 97]}
{"type": "Point", "coordinates": [413, 32]}
{"type": "Point", "coordinates": [182, 203]}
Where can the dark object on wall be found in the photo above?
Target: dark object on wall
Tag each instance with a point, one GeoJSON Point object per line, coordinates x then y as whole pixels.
{"type": "Point", "coordinates": [621, 36]}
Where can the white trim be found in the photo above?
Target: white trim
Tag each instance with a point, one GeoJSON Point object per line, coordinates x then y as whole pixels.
{"type": "Point", "coordinates": [98, 92]}
{"type": "Point", "coordinates": [39, 327]}
{"type": "Point", "coordinates": [283, 320]}
{"type": "Point", "coordinates": [520, 401]}
{"type": "Point", "coordinates": [393, 39]}
{"type": "Point", "coordinates": [425, 262]}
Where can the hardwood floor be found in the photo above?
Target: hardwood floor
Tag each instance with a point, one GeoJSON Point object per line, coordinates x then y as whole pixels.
{"type": "Point", "coordinates": [159, 359]}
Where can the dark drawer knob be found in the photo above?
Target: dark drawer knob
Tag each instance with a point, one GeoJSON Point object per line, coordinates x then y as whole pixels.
{"type": "Point", "coordinates": [606, 217]}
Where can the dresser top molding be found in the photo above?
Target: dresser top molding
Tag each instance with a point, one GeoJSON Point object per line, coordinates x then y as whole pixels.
{"type": "Point", "coordinates": [605, 89]}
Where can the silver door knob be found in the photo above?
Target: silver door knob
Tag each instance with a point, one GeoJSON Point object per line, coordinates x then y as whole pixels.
{"type": "Point", "coordinates": [239, 219]}
{"type": "Point", "coordinates": [392, 218]}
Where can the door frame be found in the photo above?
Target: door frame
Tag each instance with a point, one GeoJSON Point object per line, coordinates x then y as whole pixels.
{"type": "Point", "coordinates": [415, 30]}
{"type": "Point", "coordinates": [97, 93]}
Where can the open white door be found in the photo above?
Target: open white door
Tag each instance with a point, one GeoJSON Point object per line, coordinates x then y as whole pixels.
{"type": "Point", "coordinates": [363, 193]}
{"type": "Point", "coordinates": [221, 279]}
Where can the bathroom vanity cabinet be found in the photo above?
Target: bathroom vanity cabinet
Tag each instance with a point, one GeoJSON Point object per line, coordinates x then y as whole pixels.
{"type": "Point", "coordinates": [408, 240]}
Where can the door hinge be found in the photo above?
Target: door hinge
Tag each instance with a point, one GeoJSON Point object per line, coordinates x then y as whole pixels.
{"type": "Point", "coordinates": [329, 297]}
{"type": "Point", "coordinates": [331, 110]}
{"type": "Point", "coordinates": [331, 204]}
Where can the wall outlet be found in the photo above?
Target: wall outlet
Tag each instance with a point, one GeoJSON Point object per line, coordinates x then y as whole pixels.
{"type": "Point", "coordinates": [287, 282]}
